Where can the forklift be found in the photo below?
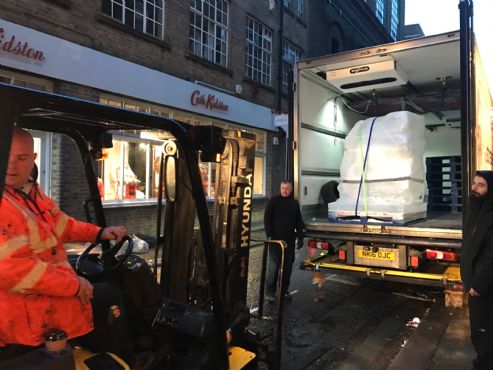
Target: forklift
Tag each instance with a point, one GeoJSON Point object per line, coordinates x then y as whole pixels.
{"type": "Point", "coordinates": [190, 309]}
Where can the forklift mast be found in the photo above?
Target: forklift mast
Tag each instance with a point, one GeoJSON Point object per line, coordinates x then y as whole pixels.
{"type": "Point", "coordinates": [232, 216]}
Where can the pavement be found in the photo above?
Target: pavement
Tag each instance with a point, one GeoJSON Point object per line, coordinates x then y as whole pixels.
{"type": "Point", "coordinates": [441, 342]}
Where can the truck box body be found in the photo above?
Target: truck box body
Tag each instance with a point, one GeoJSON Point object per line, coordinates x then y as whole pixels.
{"type": "Point", "coordinates": [333, 93]}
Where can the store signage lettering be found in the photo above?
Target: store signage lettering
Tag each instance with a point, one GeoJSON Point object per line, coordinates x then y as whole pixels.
{"type": "Point", "coordinates": [210, 101]}
{"type": "Point", "coordinates": [12, 45]}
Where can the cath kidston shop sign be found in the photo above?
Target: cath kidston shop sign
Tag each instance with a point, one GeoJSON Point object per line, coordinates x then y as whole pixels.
{"type": "Point", "coordinates": [24, 49]}
{"type": "Point", "coordinates": [13, 45]}
{"type": "Point", "coordinates": [208, 101]}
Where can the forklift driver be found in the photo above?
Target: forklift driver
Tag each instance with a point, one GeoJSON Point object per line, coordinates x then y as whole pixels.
{"type": "Point", "coordinates": [39, 290]}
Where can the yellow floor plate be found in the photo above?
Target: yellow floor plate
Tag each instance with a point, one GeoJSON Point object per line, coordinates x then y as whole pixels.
{"type": "Point", "coordinates": [239, 358]}
{"type": "Point", "coordinates": [81, 354]}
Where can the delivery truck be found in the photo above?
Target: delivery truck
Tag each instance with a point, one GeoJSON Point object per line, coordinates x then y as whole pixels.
{"type": "Point", "coordinates": [395, 132]}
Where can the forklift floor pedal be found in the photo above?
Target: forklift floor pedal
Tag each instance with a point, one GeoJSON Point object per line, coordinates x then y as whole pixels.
{"type": "Point", "coordinates": [102, 361]}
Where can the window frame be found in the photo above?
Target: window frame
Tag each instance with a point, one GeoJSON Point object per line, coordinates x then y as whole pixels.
{"type": "Point", "coordinates": [299, 8]}
{"type": "Point", "coordinates": [201, 41]}
{"type": "Point", "coordinates": [394, 19]}
{"type": "Point", "coordinates": [290, 55]}
{"type": "Point", "coordinates": [148, 6]}
{"type": "Point", "coordinates": [380, 10]}
{"type": "Point", "coordinates": [148, 199]}
{"type": "Point", "coordinates": [258, 54]}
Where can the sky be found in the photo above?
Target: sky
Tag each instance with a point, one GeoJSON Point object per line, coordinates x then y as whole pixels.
{"type": "Point", "coordinates": [438, 16]}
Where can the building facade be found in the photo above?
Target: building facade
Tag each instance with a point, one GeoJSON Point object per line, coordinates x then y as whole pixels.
{"type": "Point", "coordinates": [204, 62]}
{"type": "Point", "coordinates": [341, 25]}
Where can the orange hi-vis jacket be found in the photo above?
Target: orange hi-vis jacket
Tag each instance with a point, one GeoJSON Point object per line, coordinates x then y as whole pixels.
{"type": "Point", "coordinates": [38, 287]}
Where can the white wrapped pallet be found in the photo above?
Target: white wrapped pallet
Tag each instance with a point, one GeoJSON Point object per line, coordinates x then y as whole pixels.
{"type": "Point", "coordinates": [382, 169]}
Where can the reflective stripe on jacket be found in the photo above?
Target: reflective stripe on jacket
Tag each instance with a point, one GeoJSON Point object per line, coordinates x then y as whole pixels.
{"type": "Point", "coordinates": [38, 287]}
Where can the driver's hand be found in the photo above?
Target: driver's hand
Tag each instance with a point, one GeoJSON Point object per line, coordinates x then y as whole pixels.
{"type": "Point", "coordinates": [115, 233]}
{"type": "Point", "coordinates": [85, 290]}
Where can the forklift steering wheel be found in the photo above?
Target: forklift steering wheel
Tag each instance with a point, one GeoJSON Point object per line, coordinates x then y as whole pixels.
{"type": "Point", "coordinates": [93, 265]}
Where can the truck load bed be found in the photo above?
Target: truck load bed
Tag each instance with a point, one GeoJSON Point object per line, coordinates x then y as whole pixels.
{"type": "Point", "coordinates": [436, 220]}
{"type": "Point", "coordinates": [438, 230]}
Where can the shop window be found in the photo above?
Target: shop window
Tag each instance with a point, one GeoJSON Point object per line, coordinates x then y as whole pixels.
{"type": "Point", "coordinates": [148, 190]}
{"type": "Point", "coordinates": [129, 171]}
{"type": "Point", "coordinates": [42, 140]}
{"type": "Point", "coordinates": [42, 146]}
{"type": "Point", "coordinates": [260, 154]}
{"type": "Point", "coordinates": [208, 175]}
{"type": "Point", "coordinates": [208, 170]}
{"type": "Point", "coordinates": [258, 176]}
{"type": "Point", "coordinates": [25, 81]}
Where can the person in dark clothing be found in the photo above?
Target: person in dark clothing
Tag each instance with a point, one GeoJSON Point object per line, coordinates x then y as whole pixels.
{"type": "Point", "coordinates": [477, 267]}
{"type": "Point", "coordinates": [282, 221]}
{"type": "Point", "coordinates": [329, 192]}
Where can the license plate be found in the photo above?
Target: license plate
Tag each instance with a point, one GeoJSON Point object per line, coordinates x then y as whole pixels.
{"type": "Point", "coordinates": [384, 255]}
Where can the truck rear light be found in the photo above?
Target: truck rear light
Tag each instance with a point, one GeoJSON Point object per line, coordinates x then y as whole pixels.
{"type": "Point", "coordinates": [342, 255]}
{"type": "Point", "coordinates": [318, 244]}
{"type": "Point", "coordinates": [441, 255]}
{"type": "Point", "coordinates": [414, 261]}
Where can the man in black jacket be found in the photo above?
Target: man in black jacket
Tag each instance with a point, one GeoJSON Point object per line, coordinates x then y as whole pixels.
{"type": "Point", "coordinates": [282, 221]}
{"type": "Point", "coordinates": [477, 267]}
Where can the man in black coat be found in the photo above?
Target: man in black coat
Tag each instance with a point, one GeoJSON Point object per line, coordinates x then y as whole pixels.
{"type": "Point", "coordinates": [282, 221]}
{"type": "Point", "coordinates": [477, 267]}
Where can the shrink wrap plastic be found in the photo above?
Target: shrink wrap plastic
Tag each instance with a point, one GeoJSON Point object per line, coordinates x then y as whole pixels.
{"type": "Point", "coordinates": [393, 183]}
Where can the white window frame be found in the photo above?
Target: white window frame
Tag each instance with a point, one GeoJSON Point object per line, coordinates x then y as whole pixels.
{"type": "Point", "coordinates": [380, 10]}
{"type": "Point", "coordinates": [394, 20]}
{"type": "Point", "coordinates": [290, 55]}
{"type": "Point", "coordinates": [147, 18]}
{"type": "Point", "coordinates": [299, 8]}
{"type": "Point", "coordinates": [209, 21]}
{"type": "Point", "coordinates": [259, 52]}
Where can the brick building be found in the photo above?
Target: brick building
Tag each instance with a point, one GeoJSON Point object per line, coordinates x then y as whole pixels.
{"type": "Point", "coordinates": [341, 25]}
{"type": "Point", "coordinates": [206, 62]}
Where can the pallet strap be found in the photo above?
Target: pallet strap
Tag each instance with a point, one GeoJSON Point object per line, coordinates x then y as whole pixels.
{"type": "Point", "coordinates": [362, 183]}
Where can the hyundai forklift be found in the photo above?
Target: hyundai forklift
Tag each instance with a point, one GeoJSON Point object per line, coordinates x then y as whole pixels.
{"type": "Point", "coordinates": [190, 306]}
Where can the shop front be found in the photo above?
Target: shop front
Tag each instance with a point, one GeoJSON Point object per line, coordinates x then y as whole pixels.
{"type": "Point", "coordinates": [126, 172]}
